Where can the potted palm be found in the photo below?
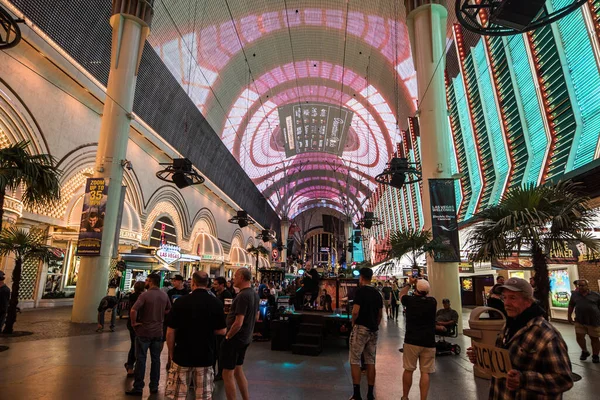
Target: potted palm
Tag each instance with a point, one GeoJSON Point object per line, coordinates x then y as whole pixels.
{"type": "Point", "coordinates": [536, 221]}
{"type": "Point", "coordinates": [413, 244]}
{"type": "Point", "coordinates": [24, 246]}
{"type": "Point", "coordinates": [36, 174]}
{"type": "Point", "coordinates": [256, 252]}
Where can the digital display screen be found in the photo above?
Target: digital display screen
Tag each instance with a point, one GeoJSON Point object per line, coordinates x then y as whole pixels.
{"type": "Point", "coordinates": [314, 127]}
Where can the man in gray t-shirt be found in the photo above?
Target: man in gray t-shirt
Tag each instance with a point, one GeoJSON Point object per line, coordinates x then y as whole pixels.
{"type": "Point", "coordinates": [586, 305]}
{"type": "Point", "coordinates": [240, 326]}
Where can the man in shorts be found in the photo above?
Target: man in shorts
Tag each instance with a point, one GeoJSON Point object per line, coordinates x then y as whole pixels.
{"type": "Point", "coordinates": [419, 340]}
{"type": "Point", "coordinates": [367, 312]}
{"type": "Point", "coordinates": [586, 305]}
{"type": "Point", "coordinates": [240, 326]}
{"type": "Point", "coordinates": [193, 323]}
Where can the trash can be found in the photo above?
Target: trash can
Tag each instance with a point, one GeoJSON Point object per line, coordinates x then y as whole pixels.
{"type": "Point", "coordinates": [483, 331]}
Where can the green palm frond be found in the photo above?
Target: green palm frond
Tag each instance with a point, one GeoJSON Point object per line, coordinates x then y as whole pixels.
{"type": "Point", "coordinates": [24, 244]}
{"type": "Point", "coordinates": [413, 244]}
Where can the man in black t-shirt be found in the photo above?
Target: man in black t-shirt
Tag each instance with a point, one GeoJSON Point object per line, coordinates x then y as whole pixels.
{"type": "Point", "coordinates": [310, 284]}
{"type": "Point", "coordinates": [240, 326]}
{"type": "Point", "coordinates": [192, 324]}
{"type": "Point", "coordinates": [366, 317]}
{"type": "Point", "coordinates": [387, 299]}
{"type": "Point", "coordinates": [419, 340]}
{"type": "Point", "coordinates": [178, 289]}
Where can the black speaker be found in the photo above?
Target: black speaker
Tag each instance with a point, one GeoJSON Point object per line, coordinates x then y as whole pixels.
{"type": "Point", "coordinates": [182, 180]}
{"type": "Point", "coordinates": [242, 223]}
{"type": "Point", "coordinates": [242, 217]}
{"type": "Point", "coordinates": [517, 14]}
{"type": "Point", "coordinates": [398, 180]}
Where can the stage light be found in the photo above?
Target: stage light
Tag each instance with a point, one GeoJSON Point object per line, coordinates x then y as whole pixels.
{"type": "Point", "coordinates": [356, 272]}
{"type": "Point", "coordinates": [301, 272]}
{"type": "Point", "coordinates": [398, 173]}
{"type": "Point", "coordinates": [242, 219]}
{"type": "Point", "coordinates": [181, 173]}
{"type": "Point", "coordinates": [369, 220]}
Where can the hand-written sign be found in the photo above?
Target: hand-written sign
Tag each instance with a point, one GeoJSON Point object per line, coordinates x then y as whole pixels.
{"type": "Point", "coordinates": [493, 360]}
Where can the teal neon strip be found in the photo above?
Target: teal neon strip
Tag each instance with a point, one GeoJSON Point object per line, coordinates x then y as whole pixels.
{"type": "Point", "coordinates": [469, 141]}
{"type": "Point", "coordinates": [493, 123]}
{"type": "Point", "coordinates": [454, 169]}
{"type": "Point", "coordinates": [417, 188]}
{"type": "Point", "coordinates": [586, 82]}
{"type": "Point", "coordinates": [532, 116]}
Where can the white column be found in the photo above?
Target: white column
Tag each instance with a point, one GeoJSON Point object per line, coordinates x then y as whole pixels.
{"type": "Point", "coordinates": [129, 34]}
{"type": "Point", "coordinates": [285, 228]}
{"type": "Point", "coordinates": [427, 30]}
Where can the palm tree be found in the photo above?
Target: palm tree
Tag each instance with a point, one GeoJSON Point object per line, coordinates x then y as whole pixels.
{"type": "Point", "coordinates": [256, 252]}
{"type": "Point", "coordinates": [37, 173]}
{"type": "Point", "coordinates": [534, 220]}
{"type": "Point", "coordinates": [25, 246]}
{"type": "Point", "coordinates": [413, 244]}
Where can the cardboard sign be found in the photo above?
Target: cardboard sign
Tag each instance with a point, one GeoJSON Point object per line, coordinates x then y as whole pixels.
{"type": "Point", "coordinates": [493, 360]}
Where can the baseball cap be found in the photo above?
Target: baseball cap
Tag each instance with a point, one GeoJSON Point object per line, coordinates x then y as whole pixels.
{"type": "Point", "coordinates": [518, 285]}
{"type": "Point", "coordinates": [177, 278]}
{"type": "Point", "coordinates": [423, 286]}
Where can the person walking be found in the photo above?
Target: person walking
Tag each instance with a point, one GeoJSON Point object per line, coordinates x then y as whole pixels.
{"type": "Point", "coordinates": [138, 289]}
{"type": "Point", "coordinates": [192, 325]}
{"type": "Point", "coordinates": [240, 326]}
{"type": "Point", "coordinates": [419, 340]}
{"type": "Point", "coordinates": [395, 303]}
{"type": "Point", "coordinates": [387, 299]}
{"type": "Point", "coordinates": [151, 307]}
{"type": "Point", "coordinates": [586, 305]}
{"type": "Point", "coordinates": [541, 368]}
{"type": "Point", "coordinates": [107, 303]}
{"type": "Point", "coordinates": [367, 313]}
{"type": "Point", "coordinates": [4, 299]}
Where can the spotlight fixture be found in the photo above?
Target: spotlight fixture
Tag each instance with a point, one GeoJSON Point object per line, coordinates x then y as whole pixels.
{"type": "Point", "coordinates": [10, 33]}
{"type": "Point", "coordinates": [368, 221]}
{"type": "Point", "coordinates": [509, 17]}
{"type": "Point", "coordinates": [357, 237]}
{"type": "Point", "coordinates": [181, 173]}
{"type": "Point", "coordinates": [266, 236]}
{"type": "Point", "coordinates": [399, 172]}
{"type": "Point", "coordinates": [242, 219]}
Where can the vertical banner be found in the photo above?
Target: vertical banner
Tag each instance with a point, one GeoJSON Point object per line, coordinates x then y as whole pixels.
{"type": "Point", "coordinates": [444, 224]}
{"type": "Point", "coordinates": [92, 217]}
{"type": "Point", "coordinates": [119, 222]}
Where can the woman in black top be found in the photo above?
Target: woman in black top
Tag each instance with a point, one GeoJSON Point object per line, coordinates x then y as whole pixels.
{"type": "Point", "coordinates": [395, 301]}
{"type": "Point", "coordinates": [230, 288]}
{"type": "Point", "coordinates": [138, 289]}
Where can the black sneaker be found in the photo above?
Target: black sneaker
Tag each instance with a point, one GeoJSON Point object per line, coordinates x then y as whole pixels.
{"type": "Point", "coordinates": [595, 359]}
{"type": "Point", "coordinates": [584, 355]}
{"type": "Point", "coordinates": [134, 392]}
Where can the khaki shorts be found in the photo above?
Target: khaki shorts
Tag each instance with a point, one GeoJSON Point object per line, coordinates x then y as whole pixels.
{"type": "Point", "coordinates": [425, 355]}
{"type": "Point", "coordinates": [593, 331]}
{"type": "Point", "coordinates": [363, 342]}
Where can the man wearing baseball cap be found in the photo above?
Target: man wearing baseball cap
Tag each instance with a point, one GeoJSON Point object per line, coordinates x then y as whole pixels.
{"type": "Point", "coordinates": [541, 367]}
{"type": "Point", "coordinates": [419, 340]}
{"type": "Point", "coordinates": [178, 289]}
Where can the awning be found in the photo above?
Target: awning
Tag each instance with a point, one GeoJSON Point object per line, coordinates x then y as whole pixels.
{"type": "Point", "coordinates": [141, 258]}
{"type": "Point", "coordinates": [209, 248]}
{"type": "Point", "coordinates": [239, 257]}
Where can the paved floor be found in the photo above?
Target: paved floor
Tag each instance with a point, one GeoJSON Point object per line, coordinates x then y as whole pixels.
{"type": "Point", "coordinates": [54, 365]}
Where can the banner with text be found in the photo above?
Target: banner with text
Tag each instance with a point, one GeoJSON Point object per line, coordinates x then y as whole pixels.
{"type": "Point", "coordinates": [493, 360]}
{"type": "Point", "coordinates": [92, 217]}
{"type": "Point", "coordinates": [444, 224]}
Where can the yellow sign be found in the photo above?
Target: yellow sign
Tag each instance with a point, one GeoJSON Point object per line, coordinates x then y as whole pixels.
{"type": "Point", "coordinates": [493, 360]}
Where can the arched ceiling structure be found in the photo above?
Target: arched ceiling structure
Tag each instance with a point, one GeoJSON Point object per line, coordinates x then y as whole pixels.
{"type": "Point", "coordinates": [307, 95]}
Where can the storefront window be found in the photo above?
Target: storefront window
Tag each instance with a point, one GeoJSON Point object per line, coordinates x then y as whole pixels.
{"type": "Point", "coordinates": [73, 265]}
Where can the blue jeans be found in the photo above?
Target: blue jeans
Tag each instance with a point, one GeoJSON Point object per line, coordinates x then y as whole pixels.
{"type": "Point", "coordinates": [142, 344]}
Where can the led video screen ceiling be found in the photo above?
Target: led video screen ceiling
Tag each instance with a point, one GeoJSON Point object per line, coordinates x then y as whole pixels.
{"type": "Point", "coordinates": [314, 128]}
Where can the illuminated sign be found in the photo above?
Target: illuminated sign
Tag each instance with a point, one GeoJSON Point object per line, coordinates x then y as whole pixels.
{"type": "Point", "coordinates": [314, 127]}
{"type": "Point", "coordinates": [168, 253]}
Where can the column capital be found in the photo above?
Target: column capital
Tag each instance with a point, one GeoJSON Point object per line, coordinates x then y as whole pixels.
{"type": "Point", "coordinates": [139, 9]}
{"type": "Point", "coordinates": [412, 5]}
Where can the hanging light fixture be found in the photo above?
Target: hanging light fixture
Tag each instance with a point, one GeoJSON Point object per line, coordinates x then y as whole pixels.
{"type": "Point", "coordinates": [266, 236]}
{"type": "Point", "coordinates": [10, 33]}
{"type": "Point", "coordinates": [181, 173]}
{"type": "Point", "coordinates": [242, 219]}
{"type": "Point", "coordinates": [369, 220]}
{"type": "Point", "coordinates": [399, 172]}
{"type": "Point", "coordinates": [509, 17]}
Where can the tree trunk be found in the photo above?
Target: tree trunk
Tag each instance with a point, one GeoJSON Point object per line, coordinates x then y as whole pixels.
{"type": "Point", "coordinates": [541, 279]}
{"type": "Point", "coordinates": [2, 194]}
{"type": "Point", "coordinates": [11, 316]}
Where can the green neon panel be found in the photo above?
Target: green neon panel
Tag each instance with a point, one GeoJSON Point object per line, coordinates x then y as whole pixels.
{"type": "Point", "coordinates": [470, 149]}
{"type": "Point", "coordinates": [485, 153]}
{"type": "Point", "coordinates": [585, 78]}
{"type": "Point", "coordinates": [532, 112]}
{"type": "Point", "coordinates": [493, 122]}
